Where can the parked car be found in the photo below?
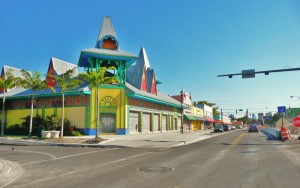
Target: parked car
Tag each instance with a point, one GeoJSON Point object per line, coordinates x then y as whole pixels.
{"type": "Point", "coordinates": [233, 127]}
{"type": "Point", "coordinates": [218, 128]}
{"type": "Point", "coordinates": [253, 127]}
{"type": "Point", "coordinates": [226, 127]}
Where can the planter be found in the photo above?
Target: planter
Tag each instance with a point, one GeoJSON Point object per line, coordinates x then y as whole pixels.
{"type": "Point", "coordinates": [46, 134]}
{"type": "Point", "coordinates": [54, 134]}
{"type": "Point", "coordinates": [40, 129]}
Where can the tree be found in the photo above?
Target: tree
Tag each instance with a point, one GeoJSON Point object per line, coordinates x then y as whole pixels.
{"type": "Point", "coordinates": [232, 117]}
{"type": "Point", "coordinates": [95, 79]}
{"type": "Point", "coordinates": [66, 82]}
{"type": "Point", "coordinates": [6, 82]}
{"type": "Point", "coordinates": [206, 103]}
{"type": "Point", "coordinates": [35, 83]}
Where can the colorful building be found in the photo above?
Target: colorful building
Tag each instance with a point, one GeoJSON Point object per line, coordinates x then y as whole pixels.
{"type": "Point", "coordinates": [193, 116]}
{"type": "Point", "coordinates": [132, 105]}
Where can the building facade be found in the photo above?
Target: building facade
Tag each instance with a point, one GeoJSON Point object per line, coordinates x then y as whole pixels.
{"type": "Point", "coordinates": [131, 105]}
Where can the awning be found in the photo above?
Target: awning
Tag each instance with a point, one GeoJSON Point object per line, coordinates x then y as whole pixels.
{"type": "Point", "coordinates": [200, 118]}
{"type": "Point", "coordinates": [219, 121]}
{"type": "Point", "coordinates": [188, 117]}
{"type": "Point", "coordinates": [209, 119]}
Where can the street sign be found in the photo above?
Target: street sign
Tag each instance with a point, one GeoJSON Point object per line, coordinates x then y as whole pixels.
{"type": "Point", "coordinates": [248, 73]}
{"type": "Point", "coordinates": [281, 109]}
{"type": "Point", "coordinates": [296, 121]}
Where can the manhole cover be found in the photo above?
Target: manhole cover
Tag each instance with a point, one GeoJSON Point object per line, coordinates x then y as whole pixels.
{"type": "Point", "coordinates": [248, 152]}
{"type": "Point", "coordinates": [156, 169]}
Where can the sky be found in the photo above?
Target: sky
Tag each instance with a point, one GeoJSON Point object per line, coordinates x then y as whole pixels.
{"type": "Point", "coordinates": [188, 43]}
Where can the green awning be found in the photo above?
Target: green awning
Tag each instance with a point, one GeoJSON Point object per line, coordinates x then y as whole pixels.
{"type": "Point", "coordinates": [193, 118]}
{"type": "Point", "coordinates": [188, 117]}
{"type": "Point", "coordinates": [200, 118]}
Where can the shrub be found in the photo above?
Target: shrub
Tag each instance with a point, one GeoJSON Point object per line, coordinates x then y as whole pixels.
{"type": "Point", "coordinates": [52, 123]}
{"type": "Point", "coordinates": [76, 133]}
{"type": "Point", "coordinates": [23, 128]}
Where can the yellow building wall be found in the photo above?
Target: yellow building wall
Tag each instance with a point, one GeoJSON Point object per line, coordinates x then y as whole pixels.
{"type": "Point", "coordinates": [196, 125]}
{"type": "Point", "coordinates": [119, 96]}
{"type": "Point", "coordinates": [49, 112]}
{"type": "Point", "coordinates": [76, 115]}
{"type": "Point", "coordinates": [14, 116]}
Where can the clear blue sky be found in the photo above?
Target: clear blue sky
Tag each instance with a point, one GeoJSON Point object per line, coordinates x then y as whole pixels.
{"type": "Point", "coordinates": [188, 43]}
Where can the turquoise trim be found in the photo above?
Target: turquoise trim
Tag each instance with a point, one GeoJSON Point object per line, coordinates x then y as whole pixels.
{"type": "Point", "coordinates": [100, 43]}
{"type": "Point", "coordinates": [110, 86]}
{"type": "Point", "coordinates": [83, 59]}
{"type": "Point", "coordinates": [156, 100]}
{"type": "Point", "coordinates": [50, 95]}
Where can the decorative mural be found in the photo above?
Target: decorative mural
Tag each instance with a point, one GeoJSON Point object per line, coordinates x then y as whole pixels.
{"type": "Point", "coordinates": [150, 105]}
{"type": "Point", "coordinates": [70, 101]}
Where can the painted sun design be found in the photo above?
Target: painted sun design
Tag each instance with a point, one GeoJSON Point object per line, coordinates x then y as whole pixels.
{"type": "Point", "coordinates": [108, 101]}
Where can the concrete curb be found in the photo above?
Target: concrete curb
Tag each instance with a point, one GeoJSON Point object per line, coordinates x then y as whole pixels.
{"type": "Point", "coordinates": [9, 172]}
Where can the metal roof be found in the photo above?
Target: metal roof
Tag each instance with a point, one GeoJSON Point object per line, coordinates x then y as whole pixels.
{"type": "Point", "coordinates": [20, 92]}
{"type": "Point", "coordinates": [61, 66]}
{"type": "Point", "coordinates": [150, 76]}
{"type": "Point", "coordinates": [162, 98]}
{"type": "Point", "coordinates": [143, 58]}
{"type": "Point", "coordinates": [105, 54]}
{"type": "Point", "coordinates": [14, 71]}
{"type": "Point", "coordinates": [135, 72]}
{"type": "Point", "coordinates": [106, 28]}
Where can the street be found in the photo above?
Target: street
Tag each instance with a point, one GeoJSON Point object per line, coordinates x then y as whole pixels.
{"type": "Point", "coordinates": [236, 159]}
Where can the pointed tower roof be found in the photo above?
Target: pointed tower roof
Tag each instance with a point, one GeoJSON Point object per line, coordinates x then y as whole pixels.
{"type": "Point", "coordinates": [107, 38]}
{"type": "Point", "coordinates": [106, 29]}
{"type": "Point", "coordinates": [143, 58]}
{"type": "Point", "coordinates": [141, 72]}
{"type": "Point", "coordinates": [107, 47]}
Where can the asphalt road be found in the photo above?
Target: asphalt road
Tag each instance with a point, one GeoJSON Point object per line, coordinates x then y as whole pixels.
{"type": "Point", "coordinates": [238, 159]}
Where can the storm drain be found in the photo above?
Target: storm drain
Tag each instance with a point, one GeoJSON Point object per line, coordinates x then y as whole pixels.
{"type": "Point", "coordinates": [156, 169]}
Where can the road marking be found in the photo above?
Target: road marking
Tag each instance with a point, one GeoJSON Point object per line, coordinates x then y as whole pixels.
{"type": "Point", "coordinates": [68, 156]}
{"type": "Point", "coordinates": [233, 144]}
{"type": "Point", "coordinates": [84, 169]}
{"type": "Point", "coordinates": [13, 179]}
{"type": "Point", "coordinates": [52, 156]}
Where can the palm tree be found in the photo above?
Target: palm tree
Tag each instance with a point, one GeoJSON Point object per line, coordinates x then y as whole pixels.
{"type": "Point", "coordinates": [35, 83]}
{"type": "Point", "coordinates": [95, 79]}
{"type": "Point", "coordinates": [6, 83]}
{"type": "Point", "coordinates": [66, 82]}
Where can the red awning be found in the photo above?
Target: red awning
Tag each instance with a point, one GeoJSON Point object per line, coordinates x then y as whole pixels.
{"type": "Point", "coordinates": [209, 119]}
{"type": "Point", "coordinates": [219, 121]}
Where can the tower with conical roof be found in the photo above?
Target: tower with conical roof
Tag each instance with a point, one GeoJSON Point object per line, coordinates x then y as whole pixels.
{"type": "Point", "coordinates": [107, 53]}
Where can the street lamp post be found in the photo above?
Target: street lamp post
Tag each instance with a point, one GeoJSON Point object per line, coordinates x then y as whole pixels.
{"type": "Point", "coordinates": [181, 100]}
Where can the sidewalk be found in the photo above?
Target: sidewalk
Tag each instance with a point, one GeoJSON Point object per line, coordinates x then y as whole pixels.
{"type": "Point", "coordinates": [148, 140]}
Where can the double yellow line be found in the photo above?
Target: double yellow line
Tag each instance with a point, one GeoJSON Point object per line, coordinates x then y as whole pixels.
{"type": "Point", "coordinates": [233, 144]}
